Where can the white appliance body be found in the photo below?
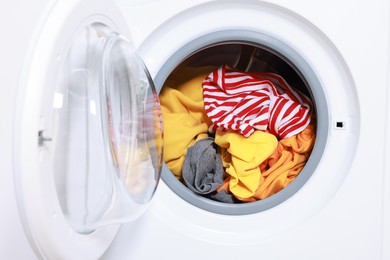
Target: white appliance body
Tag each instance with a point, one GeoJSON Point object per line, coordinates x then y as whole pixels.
{"type": "Point", "coordinates": [340, 212]}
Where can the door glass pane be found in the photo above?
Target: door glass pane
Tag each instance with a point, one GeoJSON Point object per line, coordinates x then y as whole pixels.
{"type": "Point", "coordinates": [106, 131]}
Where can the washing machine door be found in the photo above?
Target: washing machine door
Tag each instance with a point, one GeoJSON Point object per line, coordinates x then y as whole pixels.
{"type": "Point", "coordinates": [103, 135]}
{"type": "Point", "coordinates": [88, 142]}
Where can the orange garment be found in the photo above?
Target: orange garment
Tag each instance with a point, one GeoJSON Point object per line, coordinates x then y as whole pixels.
{"type": "Point", "coordinates": [283, 166]}
{"type": "Point", "coordinates": [184, 118]}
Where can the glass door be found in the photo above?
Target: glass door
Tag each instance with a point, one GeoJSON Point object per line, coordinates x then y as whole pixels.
{"type": "Point", "coordinates": [103, 139]}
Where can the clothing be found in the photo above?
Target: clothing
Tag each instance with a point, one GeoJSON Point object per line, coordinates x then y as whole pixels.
{"type": "Point", "coordinates": [184, 118]}
{"type": "Point", "coordinates": [224, 196]}
{"type": "Point", "coordinates": [258, 165]}
{"type": "Point", "coordinates": [245, 102]}
{"type": "Point", "coordinates": [283, 166]}
{"type": "Point", "coordinates": [242, 157]}
{"type": "Point", "coordinates": [202, 170]}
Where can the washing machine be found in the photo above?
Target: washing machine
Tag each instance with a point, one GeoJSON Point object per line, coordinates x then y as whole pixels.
{"type": "Point", "coordinates": [82, 165]}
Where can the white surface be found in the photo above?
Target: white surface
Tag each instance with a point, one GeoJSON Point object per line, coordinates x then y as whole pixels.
{"type": "Point", "coordinates": [349, 221]}
{"type": "Point", "coordinates": [386, 175]}
{"type": "Point", "coordinates": [16, 26]}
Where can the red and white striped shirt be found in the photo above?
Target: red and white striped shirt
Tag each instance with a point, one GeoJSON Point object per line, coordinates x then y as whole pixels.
{"type": "Point", "coordinates": [245, 102]}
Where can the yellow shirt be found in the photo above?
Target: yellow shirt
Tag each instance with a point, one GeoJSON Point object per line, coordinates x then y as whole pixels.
{"type": "Point", "coordinates": [184, 118]}
{"type": "Point", "coordinates": [283, 166]}
{"type": "Point", "coordinates": [242, 157]}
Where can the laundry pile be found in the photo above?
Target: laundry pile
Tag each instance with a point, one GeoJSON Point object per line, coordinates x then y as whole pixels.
{"type": "Point", "coordinates": [235, 136]}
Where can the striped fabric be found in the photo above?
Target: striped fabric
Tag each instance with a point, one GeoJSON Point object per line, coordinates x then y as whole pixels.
{"type": "Point", "coordinates": [245, 102]}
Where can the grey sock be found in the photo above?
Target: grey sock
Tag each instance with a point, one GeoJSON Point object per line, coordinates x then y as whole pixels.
{"type": "Point", "coordinates": [202, 169]}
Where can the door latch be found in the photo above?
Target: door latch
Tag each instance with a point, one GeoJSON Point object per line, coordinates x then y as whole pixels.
{"type": "Point", "coordinates": [42, 138]}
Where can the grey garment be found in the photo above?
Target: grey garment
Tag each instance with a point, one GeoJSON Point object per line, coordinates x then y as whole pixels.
{"type": "Point", "coordinates": [224, 196]}
{"type": "Point", "coordinates": [202, 169]}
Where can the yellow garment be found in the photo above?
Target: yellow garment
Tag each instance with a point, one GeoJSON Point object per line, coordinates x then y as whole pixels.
{"type": "Point", "coordinates": [283, 166]}
{"type": "Point", "coordinates": [242, 157]}
{"type": "Point", "coordinates": [184, 118]}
